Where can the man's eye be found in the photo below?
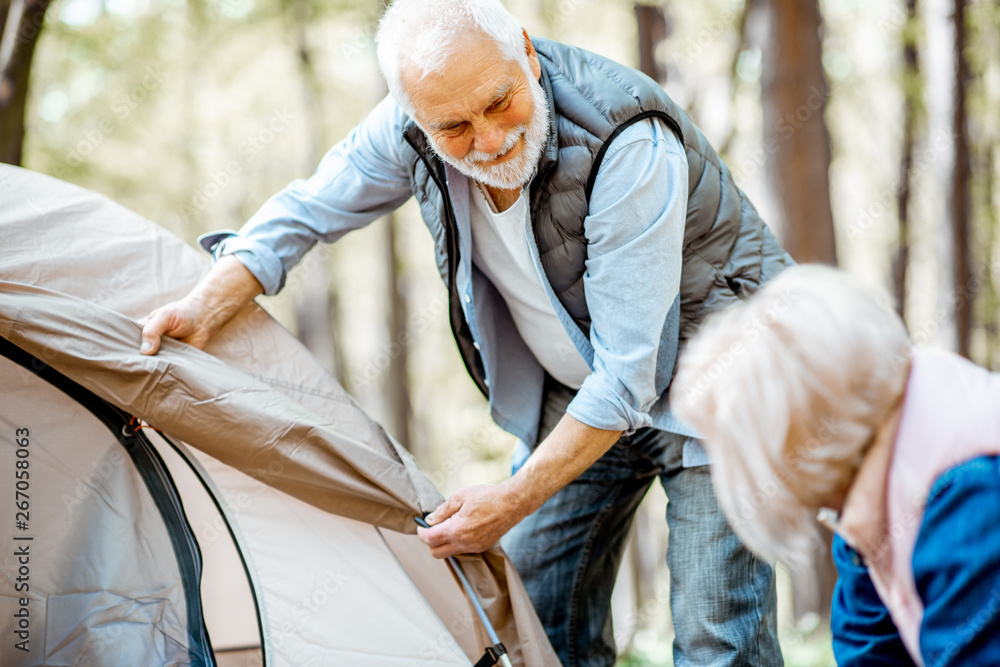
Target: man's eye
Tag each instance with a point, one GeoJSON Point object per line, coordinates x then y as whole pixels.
{"type": "Point", "coordinates": [500, 104]}
{"type": "Point", "coordinates": [452, 128]}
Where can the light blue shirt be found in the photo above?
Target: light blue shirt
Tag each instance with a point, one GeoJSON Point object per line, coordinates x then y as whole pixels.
{"type": "Point", "coordinates": [635, 232]}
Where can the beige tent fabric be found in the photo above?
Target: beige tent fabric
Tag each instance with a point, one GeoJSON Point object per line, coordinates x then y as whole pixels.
{"type": "Point", "coordinates": [118, 610]}
{"type": "Point", "coordinates": [212, 406]}
{"type": "Point", "coordinates": [78, 269]}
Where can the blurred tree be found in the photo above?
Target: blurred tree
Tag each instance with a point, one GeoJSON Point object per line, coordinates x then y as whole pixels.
{"type": "Point", "coordinates": [793, 96]}
{"type": "Point", "coordinates": [983, 52]}
{"type": "Point", "coordinates": [317, 310]}
{"type": "Point", "coordinates": [396, 378]}
{"type": "Point", "coordinates": [20, 25]}
{"type": "Point", "coordinates": [911, 105]}
{"type": "Point", "coordinates": [749, 6]}
{"type": "Point", "coordinates": [652, 23]}
{"type": "Point", "coordinates": [959, 203]}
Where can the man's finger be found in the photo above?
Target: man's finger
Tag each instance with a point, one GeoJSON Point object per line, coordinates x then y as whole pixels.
{"type": "Point", "coordinates": [154, 327]}
{"type": "Point", "coordinates": [444, 551]}
{"type": "Point", "coordinates": [434, 537]}
{"type": "Point", "coordinates": [444, 511]}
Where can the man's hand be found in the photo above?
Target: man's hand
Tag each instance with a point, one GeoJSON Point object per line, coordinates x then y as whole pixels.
{"type": "Point", "coordinates": [471, 521]}
{"type": "Point", "coordinates": [183, 320]}
{"type": "Point", "coordinates": [223, 292]}
{"type": "Point", "coordinates": [475, 518]}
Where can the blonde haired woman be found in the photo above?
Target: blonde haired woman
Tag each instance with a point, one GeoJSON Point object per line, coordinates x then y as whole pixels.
{"type": "Point", "coordinates": [810, 395]}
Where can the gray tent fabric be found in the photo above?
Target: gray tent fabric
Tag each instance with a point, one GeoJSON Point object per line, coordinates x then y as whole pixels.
{"type": "Point", "coordinates": [264, 421]}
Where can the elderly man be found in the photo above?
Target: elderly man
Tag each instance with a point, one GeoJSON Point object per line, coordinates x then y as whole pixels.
{"type": "Point", "coordinates": [583, 227]}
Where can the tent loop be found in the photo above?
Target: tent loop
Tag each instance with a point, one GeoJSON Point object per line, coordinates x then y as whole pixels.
{"type": "Point", "coordinates": [493, 655]}
{"type": "Point", "coordinates": [134, 424]}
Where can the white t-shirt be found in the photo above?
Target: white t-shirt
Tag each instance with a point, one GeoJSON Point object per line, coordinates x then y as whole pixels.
{"type": "Point", "coordinates": [500, 250]}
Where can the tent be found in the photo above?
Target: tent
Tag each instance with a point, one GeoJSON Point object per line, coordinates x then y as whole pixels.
{"type": "Point", "coordinates": [232, 506]}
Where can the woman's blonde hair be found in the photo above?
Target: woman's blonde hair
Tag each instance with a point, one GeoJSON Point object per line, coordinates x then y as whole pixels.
{"type": "Point", "coordinates": [787, 390]}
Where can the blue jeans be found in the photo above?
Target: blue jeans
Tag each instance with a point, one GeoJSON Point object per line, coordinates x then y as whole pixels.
{"type": "Point", "coordinates": [722, 597]}
{"type": "Point", "coordinates": [956, 569]}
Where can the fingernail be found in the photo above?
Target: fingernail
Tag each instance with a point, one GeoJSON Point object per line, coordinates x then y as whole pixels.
{"type": "Point", "coordinates": [429, 518]}
{"type": "Point", "coordinates": [146, 346]}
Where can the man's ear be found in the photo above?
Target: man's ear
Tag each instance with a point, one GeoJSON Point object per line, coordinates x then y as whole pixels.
{"type": "Point", "coordinates": [529, 48]}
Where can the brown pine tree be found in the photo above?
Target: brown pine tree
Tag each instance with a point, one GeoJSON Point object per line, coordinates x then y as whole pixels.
{"type": "Point", "coordinates": [20, 26]}
{"type": "Point", "coordinates": [793, 95]}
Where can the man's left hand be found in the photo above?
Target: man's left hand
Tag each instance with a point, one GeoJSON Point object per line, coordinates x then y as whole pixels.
{"type": "Point", "coordinates": [471, 521]}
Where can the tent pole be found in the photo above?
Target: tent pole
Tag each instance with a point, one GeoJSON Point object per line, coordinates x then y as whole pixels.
{"type": "Point", "coordinates": [457, 568]}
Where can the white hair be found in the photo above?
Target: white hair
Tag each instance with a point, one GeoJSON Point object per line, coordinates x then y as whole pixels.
{"type": "Point", "coordinates": [788, 390]}
{"type": "Point", "coordinates": [418, 37]}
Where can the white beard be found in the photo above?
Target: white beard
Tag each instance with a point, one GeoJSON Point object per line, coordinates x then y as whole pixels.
{"type": "Point", "coordinates": [516, 172]}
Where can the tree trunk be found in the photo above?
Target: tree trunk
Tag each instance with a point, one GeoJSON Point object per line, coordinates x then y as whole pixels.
{"type": "Point", "coordinates": [749, 6]}
{"type": "Point", "coordinates": [396, 379]}
{"type": "Point", "coordinates": [911, 92]}
{"type": "Point", "coordinates": [652, 24]}
{"type": "Point", "coordinates": [794, 94]}
{"type": "Point", "coordinates": [958, 195]}
{"type": "Point", "coordinates": [396, 385]}
{"type": "Point", "coordinates": [20, 26]}
{"type": "Point", "coordinates": [316, 306]}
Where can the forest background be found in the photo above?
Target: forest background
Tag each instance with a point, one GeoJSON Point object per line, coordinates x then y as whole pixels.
{"type": "Point", "coordinates": [862, 131]}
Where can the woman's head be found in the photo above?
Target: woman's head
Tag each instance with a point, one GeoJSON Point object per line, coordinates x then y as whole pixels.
{"type": "Point", "coordinates": [787, 390]}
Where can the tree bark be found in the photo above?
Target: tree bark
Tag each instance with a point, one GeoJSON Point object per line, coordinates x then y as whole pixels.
{"type": "Point", "coordinates": [959, 207]}
{"type": "Point", "coordinates": [396, 387]}
{"type": "Point", "coordinates": [652, 24]}
{"type": "Point", "coordinates": [317, 306]}
{"type": "Point", "coordinates": [749, 6]}
{"type": "Point", "coordinates": [911, 93]}
{"type": "Point", "coordinates": [396, 379]}
{"type": "Point", "coordinates": [794, 94]}
{"type": "Point", "coordinates": [20, 26]}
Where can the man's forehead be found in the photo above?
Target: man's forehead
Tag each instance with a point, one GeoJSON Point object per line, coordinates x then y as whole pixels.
{"type": "Point", "coordinates": [463, 84]}
{"type": "Point", "coordinates": [456, 60]}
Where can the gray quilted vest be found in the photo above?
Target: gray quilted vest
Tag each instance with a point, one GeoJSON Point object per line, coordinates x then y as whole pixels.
{"type": "Point", "coordinates": [728, 250]}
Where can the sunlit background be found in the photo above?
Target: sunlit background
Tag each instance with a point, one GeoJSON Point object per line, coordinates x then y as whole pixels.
{"type": "Point", "coordinates": [193, 113]}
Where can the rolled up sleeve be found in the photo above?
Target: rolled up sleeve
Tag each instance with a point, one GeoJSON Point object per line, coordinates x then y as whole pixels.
{"type": "Point", "coordinates": [360, 179]}
{"type": "Point", "coordinates": [635, 232]}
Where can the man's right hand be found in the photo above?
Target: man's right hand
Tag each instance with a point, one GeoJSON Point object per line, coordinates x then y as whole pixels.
{"type": "Point", "coordinates": [222, 293]}
{"type": "Point", "coordinates": [182, 320]}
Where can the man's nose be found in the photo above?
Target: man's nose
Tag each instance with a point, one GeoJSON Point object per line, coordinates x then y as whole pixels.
{"type": "Point", "coordinates": [489, 138]}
